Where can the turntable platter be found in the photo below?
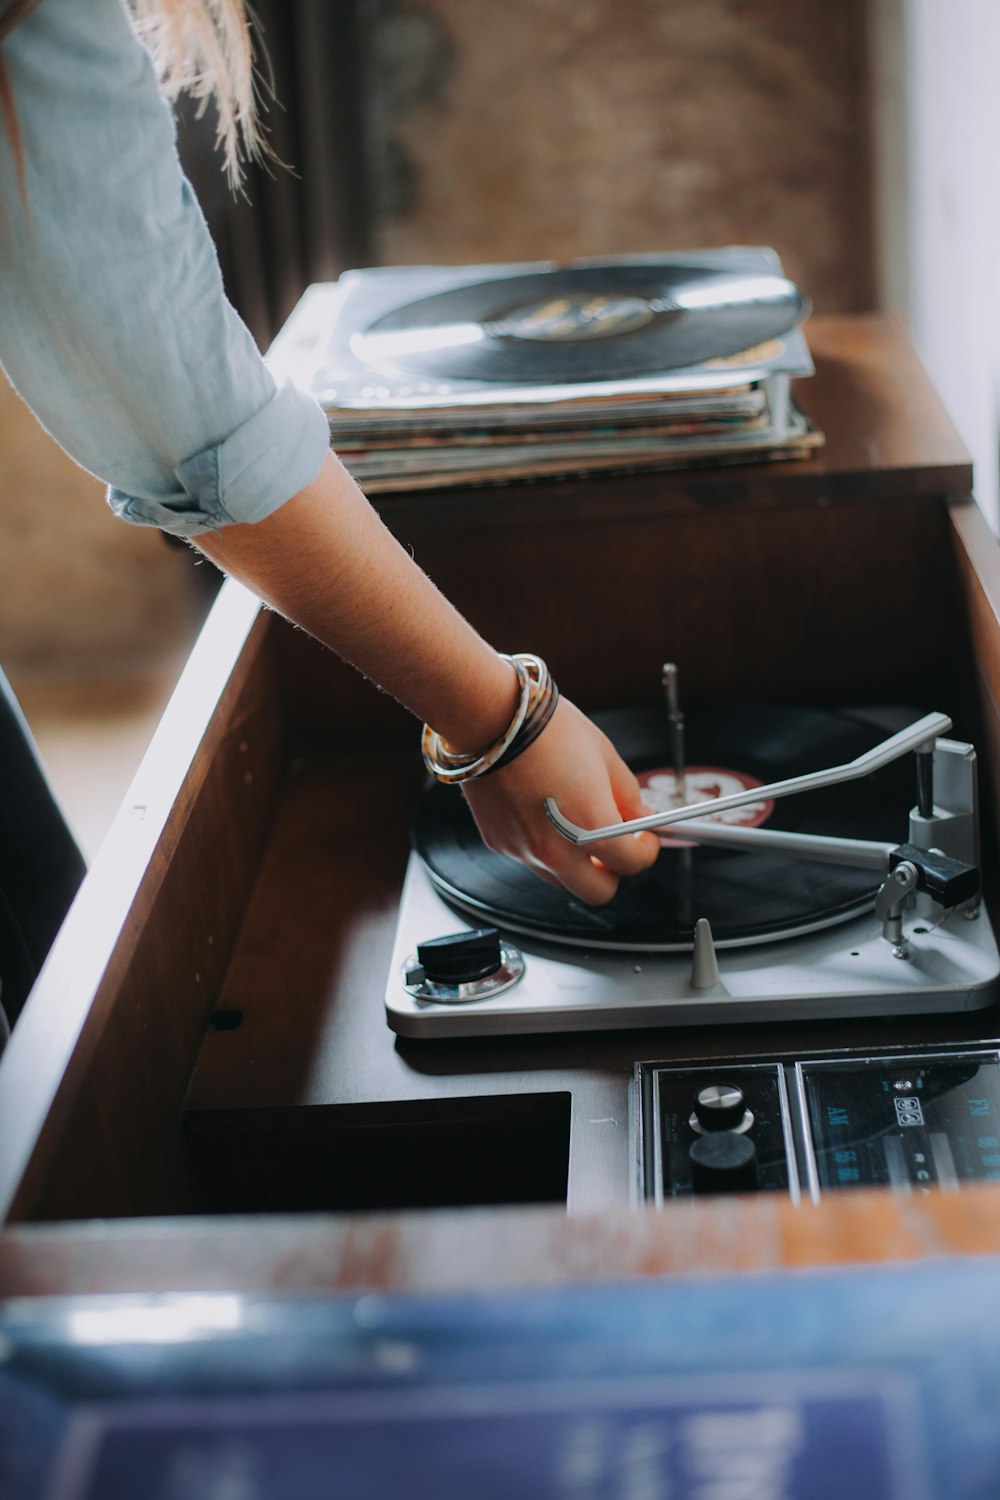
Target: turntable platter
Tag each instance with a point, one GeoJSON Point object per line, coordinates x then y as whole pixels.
{"type": "Point", "coordinates": [747, 897]}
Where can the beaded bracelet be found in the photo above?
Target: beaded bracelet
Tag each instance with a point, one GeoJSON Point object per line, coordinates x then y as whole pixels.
{"type": "Point", "coordinates": [537, 701]}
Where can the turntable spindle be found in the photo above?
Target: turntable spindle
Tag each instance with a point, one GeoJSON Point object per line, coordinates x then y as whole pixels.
{"type": "Point", "coordinates": [675, 719]}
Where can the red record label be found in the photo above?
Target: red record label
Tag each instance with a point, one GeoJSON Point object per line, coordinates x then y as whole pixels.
{"type": "Point", "coordinates": [664, 791]}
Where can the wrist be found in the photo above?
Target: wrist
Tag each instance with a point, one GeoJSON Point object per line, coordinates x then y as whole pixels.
{"type": "Point", "coordinates": [487, 710]}
{"type": "Point", "coordinates": [537, 699]}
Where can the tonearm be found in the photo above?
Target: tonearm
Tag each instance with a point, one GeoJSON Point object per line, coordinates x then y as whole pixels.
{"type": "Point", "coordinates": [949, 879]}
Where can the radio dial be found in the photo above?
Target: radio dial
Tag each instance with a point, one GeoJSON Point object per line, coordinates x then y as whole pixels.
{"type": "Point", "coordinates": [723, 1162]}
{"type": "Point", "coordinates": [720, 1106]}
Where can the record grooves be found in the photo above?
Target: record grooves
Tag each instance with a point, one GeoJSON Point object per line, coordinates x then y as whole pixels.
{"type": "Point", "coordinates": [747, 897]}
{"type": "Point", "coordinates": [583, 323]}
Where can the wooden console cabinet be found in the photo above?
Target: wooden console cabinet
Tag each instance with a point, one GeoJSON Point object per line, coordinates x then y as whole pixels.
{"type": "Point", "coordinates": [203, 1092]}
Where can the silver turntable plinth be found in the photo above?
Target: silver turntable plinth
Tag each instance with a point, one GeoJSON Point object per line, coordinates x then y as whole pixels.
{"type": "Point", "coordinates": [843, 971]}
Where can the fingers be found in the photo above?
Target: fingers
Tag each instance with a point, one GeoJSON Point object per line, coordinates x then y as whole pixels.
{"type": "Point", "coordinates": [594, 788]}
{"type": "Point", "coordinates": [633, 852]}
{"type": "Point", "coordinates": [566, 867]}
{"type": "Point", "coordinates": [628, 855]}
{"type": "Point", "coordinates": [562, 864]}
{"type": "Point", "coordinates": [586, 879]}
{"type": "Point", "coordinates": [625, 789]}
{"type": "Point", "coordinates": [592, 872]}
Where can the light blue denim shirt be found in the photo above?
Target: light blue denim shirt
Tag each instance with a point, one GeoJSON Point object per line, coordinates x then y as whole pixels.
{"type": "Point", "coordinates": [114, 326]}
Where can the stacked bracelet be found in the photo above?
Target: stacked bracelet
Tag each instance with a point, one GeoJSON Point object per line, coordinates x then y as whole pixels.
{"type": "Point", "coordinates": [537, 701]}
{"type": "Point", "coordinates": [542, 699]}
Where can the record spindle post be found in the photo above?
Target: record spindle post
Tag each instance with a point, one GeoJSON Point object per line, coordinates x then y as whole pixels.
{"type": "Point", "coordinates": [675, 719]}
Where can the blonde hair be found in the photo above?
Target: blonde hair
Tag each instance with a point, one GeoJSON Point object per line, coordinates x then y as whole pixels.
{"type": "Point", "coordinates": [204, 48]}
{"type": "Point", "coordinates": [199, 47]}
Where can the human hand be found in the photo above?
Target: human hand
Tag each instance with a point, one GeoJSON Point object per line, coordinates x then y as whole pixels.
{"type": "Point", "coordinates": [576, 764]}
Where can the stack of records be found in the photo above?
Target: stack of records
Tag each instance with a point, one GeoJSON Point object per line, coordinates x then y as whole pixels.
{"type": "Point", "coordinates": [454, 375]}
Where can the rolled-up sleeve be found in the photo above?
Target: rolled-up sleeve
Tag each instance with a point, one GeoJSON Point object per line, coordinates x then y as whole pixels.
{"type": "Point", "coordinates": [115, 327]}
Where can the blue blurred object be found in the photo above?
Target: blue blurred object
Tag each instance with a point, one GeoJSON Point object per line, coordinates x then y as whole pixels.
{"type": "Point", "coordinates": [867, 1382]}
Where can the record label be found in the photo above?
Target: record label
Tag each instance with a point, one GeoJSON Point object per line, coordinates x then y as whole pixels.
{"type": "Point", "coordinates": [663, 790]}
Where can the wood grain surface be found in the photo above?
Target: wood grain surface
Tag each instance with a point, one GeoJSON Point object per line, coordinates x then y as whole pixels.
{"type": "Point", "coordinates": [489, 1248]}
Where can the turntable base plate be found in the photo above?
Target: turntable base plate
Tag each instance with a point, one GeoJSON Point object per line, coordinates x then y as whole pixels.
{"type": "Point", "coordinates": [839, 972]}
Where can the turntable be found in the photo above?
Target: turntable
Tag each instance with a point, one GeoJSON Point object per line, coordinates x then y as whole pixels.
{"type": "Point", "coordinates": [811, 888]}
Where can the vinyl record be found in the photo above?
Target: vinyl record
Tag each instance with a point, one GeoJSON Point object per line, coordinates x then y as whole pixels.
{"type": "Point", "coordinates": [747, 897]}
{"type": "Point", "coordinates": [583, 323]}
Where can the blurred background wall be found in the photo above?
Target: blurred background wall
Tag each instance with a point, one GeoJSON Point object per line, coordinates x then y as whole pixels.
{"type": "Point", "coordinates": [937, 132]}
{"type": "Point", "coordinates": [545, 129]}
{"type": "Point", "coordinates": [467, 130]}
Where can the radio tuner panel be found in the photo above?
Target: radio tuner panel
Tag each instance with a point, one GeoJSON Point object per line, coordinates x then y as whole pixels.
{"type": "Point", "coordinates": [815, 1124]}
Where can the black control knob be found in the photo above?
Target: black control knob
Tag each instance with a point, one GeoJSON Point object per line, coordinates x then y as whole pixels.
{"type": "Point", "coordinates": [461, 957]}
{"type": "Point", "coordinates": [720, 1106]}
{"type": "Point", "coordinates": [723, 1163]}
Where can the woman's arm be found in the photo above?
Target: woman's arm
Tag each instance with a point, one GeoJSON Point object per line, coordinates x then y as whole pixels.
{"type": "Point", "coordinates": [326, 561]}
{"type": "Point", "coordinates": [117, 331]}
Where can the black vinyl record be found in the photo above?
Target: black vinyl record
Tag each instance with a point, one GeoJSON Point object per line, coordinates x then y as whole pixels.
{"type": "Point", "coordinates": [747, 896]}
{"type": "Point", "coordinates": [584, 323]}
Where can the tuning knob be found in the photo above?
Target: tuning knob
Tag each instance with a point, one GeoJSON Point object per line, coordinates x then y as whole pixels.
{"type": "Point", "coordinates": [720, 1106]}
{"type": "Point", "coordinates": [723, 1163]}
